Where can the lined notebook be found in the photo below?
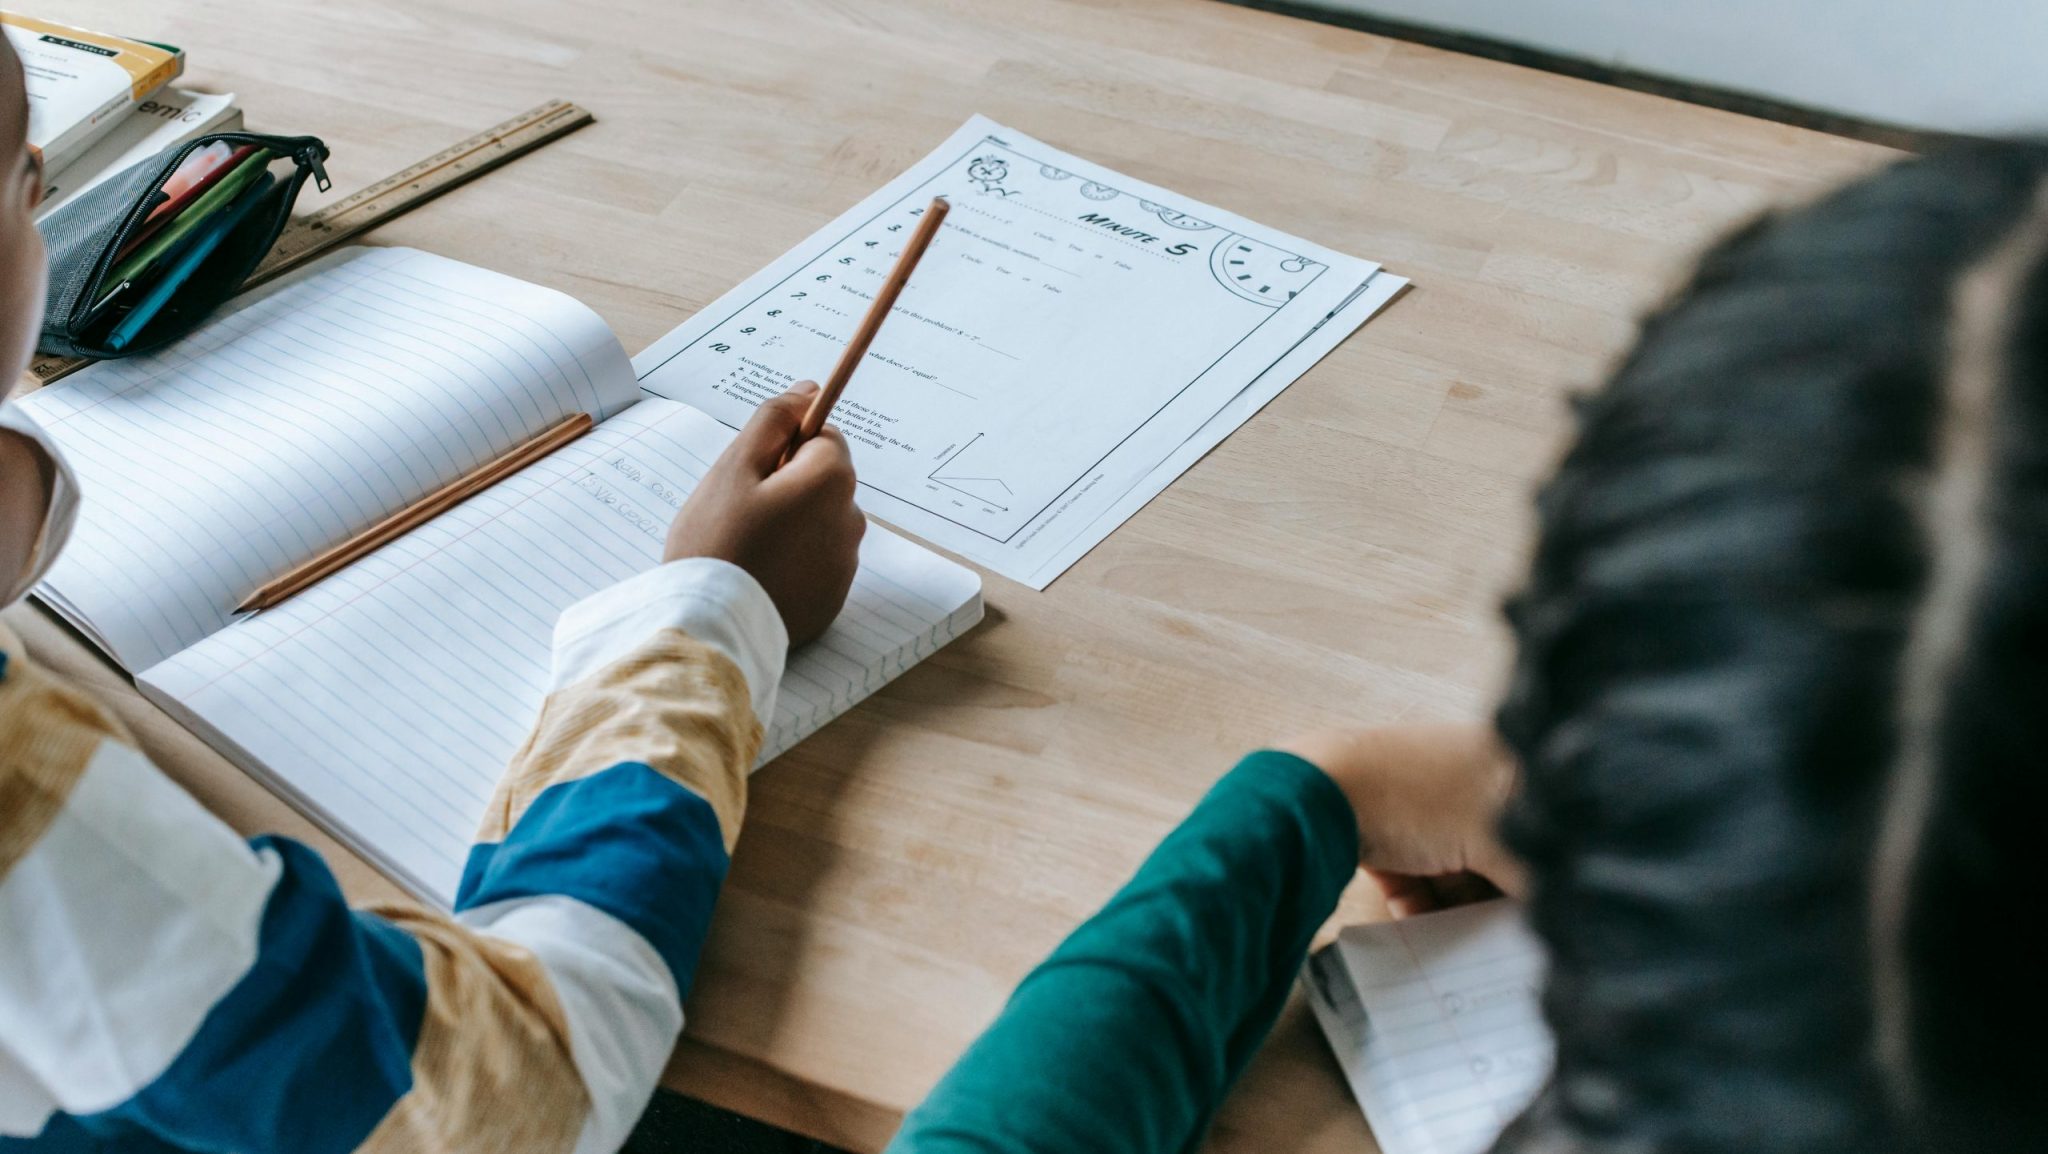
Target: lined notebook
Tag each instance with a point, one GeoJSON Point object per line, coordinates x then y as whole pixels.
{"type": "Point", "coordinates": [387, 699]}
{"type": "Point", "coordinates": [1436, 1022]}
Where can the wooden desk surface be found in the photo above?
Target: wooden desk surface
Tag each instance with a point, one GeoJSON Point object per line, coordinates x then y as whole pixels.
{"type": "Point", "coordinates": [1339, 559]}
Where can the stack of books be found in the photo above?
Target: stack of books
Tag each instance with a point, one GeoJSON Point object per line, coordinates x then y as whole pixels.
{"type": "Point", "coordinates": [99, 104]}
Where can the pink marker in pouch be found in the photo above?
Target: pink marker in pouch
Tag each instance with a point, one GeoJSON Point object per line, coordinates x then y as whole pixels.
{"type": "Point", "coordinates": [196, 167]}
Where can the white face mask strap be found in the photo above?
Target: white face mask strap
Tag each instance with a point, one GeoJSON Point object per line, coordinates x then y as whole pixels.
{"type": "Point", "coordinates": [58, 514]}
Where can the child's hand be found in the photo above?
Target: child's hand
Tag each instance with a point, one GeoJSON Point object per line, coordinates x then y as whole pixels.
{"type": "Point", "coordinates": [1428, 800]}
{"type": "Point", "coordinates": [795, 529]}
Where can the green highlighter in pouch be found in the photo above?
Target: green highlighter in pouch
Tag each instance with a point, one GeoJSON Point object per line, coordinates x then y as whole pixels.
{"type": "Point", "coordinates": [157, 286]}
{"type": "Point", "coordinates": [106, 302]}
{"type": "Point", "coordinates": [166, 242]}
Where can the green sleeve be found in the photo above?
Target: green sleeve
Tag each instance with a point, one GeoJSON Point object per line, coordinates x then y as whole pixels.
{"type": "Point", "coordinates": [1126, 1039]}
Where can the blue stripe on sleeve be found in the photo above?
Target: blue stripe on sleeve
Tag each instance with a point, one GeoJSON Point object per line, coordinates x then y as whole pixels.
{"type": "Point", "coordinates": [628, 841]}
{"type": "Point", "coordinates": [61, 1135]}
{"type": "Point", "coordinates": [307, 1053]}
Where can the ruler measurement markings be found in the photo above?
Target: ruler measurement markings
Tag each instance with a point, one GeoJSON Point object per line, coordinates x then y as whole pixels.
{"type": "Point", "coordinates": [310, 236]}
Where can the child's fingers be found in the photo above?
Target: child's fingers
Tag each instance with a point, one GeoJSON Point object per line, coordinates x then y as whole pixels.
{"type": "Point", "coordinates": [1497, 865]}
{"type": "Point", "coordinates": [766, 437]}
{"type": "Point", "coordinates": [1407, 894]}
{"type": "Point", "coordinates": [1463, 889]}
{"type": "Point", "coordinates": [822, 466]}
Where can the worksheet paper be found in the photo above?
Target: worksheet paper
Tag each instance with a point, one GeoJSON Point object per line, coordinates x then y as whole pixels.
{"type": "Point", "coordinates": [1436, 1022]}
{"type": "Point", "coordinates": [1057, 359]}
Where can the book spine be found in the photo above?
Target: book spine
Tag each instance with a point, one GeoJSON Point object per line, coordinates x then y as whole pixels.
{"type": "Point", "coordinates": [147, 84]}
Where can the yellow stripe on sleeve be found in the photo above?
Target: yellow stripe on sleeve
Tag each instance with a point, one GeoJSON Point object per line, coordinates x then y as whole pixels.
{"type": "Point", "coordinates": [492, 1069]}
{"type": "Point", "coordinates": [48, 732]}
{"type": "Point", "coordinates": [672, 703]}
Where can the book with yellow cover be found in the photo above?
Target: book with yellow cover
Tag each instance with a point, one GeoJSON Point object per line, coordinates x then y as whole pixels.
{"type": "Point", "coordinates": [81, 83]}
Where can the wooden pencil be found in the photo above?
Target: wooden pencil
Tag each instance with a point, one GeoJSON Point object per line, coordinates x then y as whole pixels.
{"type": "Point", "coordinates": [418, 513]}
{"type": "Point", "coordinates": [857, 348]}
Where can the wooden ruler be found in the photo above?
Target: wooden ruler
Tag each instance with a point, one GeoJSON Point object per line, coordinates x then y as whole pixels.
{"type": "Point", "coordinates": [307, 237]}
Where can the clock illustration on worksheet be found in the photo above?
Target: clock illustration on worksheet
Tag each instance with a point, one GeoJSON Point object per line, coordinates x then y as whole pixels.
{"type": "Point", "coordinates": [1176, 218]}
{"type": "Point", "coordinates": [988, 172]}
{"type": "Point", "coordinates": [1258, 272]}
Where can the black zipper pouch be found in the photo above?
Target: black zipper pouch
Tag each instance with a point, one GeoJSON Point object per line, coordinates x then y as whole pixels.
{"type": "Point", "coordinates": [124, 282]}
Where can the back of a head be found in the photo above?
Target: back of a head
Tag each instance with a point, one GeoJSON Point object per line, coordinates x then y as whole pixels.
{"type": "Point", "coordinates": [1777, 690]}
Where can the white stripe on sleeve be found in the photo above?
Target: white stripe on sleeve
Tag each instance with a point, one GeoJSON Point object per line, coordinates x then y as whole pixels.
{"type": "Point", "coordinates": [128, 919]}
{"type": "Point", "coordinates": [621, 1002]}
{"type": "Point", "coordinates": [714, 601]}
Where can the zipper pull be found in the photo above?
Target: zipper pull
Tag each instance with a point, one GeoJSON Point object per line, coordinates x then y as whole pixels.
{"type": "Point", "coordinates": [312, 154]}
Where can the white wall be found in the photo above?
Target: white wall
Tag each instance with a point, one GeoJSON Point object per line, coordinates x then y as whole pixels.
{"type": "Point", "coordinates": [1955, 65]}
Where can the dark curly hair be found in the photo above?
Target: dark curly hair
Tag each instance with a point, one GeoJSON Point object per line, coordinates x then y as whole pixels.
{"type": "Point", "coordinates": [1779, 692]}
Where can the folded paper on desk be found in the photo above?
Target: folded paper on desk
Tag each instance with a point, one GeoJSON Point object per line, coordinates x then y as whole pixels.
{"type": "Point", "coordinates": [1436, 1023]}
{"type": "Point", "coordinates": [386, 700]}
{"type": "Point", "coordinates": [1073, 341]}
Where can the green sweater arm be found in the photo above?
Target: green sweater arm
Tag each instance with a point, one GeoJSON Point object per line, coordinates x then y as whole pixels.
{"type": "Point", "coordinates": [1126, 1039]}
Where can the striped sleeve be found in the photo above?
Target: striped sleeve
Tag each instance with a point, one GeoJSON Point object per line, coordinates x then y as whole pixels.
{"type": "Point", "coordinates": [165, 984]}
{"type": "Point", "coordinates": [606, 845]}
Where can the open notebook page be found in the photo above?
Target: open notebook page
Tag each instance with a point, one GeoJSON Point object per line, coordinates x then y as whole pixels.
{"type": "Point", "coordinates": [295, 421]}
{"type": "Point", "coordinates": [388, 699]}
{"type": "Point", "coordinates": [1436, 1022]}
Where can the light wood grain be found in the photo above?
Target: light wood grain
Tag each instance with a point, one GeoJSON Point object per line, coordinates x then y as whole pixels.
{"type": "Point", "coordinates": [1339, 559]}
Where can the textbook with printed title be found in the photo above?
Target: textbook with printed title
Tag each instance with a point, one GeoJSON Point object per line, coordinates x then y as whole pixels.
{"type": "Point", "coordinates": [81, 83]}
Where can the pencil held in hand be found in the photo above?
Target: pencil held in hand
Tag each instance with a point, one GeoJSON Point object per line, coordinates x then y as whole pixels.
{"type": "Point", "coordinates": [418, 513]}
{"type": "Point", "coordinates": [792, 526]}
{"type": "Point", "coordinates": [857, 348]}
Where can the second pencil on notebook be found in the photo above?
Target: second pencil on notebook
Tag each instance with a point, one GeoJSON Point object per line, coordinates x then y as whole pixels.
{"type": "Point", "coordinates": [416, 514]}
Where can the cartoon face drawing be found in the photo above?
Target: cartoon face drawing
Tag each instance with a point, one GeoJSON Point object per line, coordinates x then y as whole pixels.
{"type": "Point", "coordinates": [988, 172]}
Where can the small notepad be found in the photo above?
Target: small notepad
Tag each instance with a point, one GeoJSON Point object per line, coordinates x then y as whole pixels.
{"type": "Point", "coordinates": [387, 699]}
{"type": "Point", "coordinates": [1436, 1022]}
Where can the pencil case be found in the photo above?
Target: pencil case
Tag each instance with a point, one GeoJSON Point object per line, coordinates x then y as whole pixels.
{"type": "Point", "coordinates": [141, 259]}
